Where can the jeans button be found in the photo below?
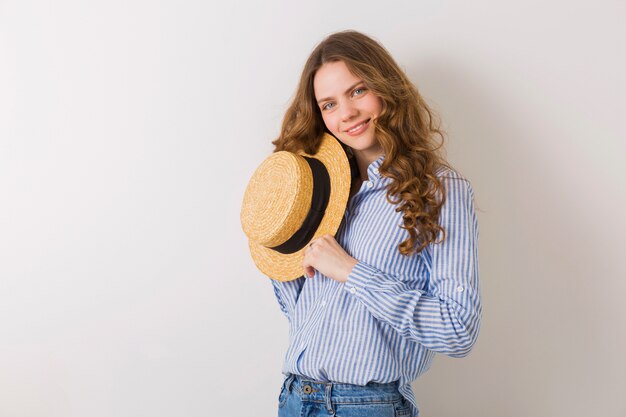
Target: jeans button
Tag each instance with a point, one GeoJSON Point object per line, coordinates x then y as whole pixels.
{"type": "Point", "coordinates": [307, 389]}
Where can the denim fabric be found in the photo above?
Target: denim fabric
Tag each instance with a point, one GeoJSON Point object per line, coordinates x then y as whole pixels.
{"type": "Point", "coordinates": [300, 397]}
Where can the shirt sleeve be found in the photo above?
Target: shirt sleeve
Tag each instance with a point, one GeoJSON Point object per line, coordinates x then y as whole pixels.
{"type": "Point", "coordinates": [446, 317]}
{"type": "Point", "coordinates": [287, 294]}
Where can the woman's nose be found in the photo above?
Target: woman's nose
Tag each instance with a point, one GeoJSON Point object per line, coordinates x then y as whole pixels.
{"type": "Point", "coordinates": [348, 111]}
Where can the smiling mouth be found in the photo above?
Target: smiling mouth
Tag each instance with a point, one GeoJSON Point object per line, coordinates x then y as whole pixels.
{"type": "Point", "coordinates": [357, 127]}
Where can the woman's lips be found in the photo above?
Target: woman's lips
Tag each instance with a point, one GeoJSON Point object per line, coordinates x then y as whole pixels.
{"type": "Point", "coordinates": [359, 128]}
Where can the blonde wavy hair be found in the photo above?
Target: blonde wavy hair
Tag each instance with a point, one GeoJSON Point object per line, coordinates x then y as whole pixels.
{"type": "Point", "coordinates": [407, 130]}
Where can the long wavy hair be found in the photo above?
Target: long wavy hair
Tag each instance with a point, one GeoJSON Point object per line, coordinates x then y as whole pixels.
{"type": "Point", "coordinates": [407, 130]}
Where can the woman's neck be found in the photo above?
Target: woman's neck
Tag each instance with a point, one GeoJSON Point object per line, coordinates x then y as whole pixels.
{"type": "Point", "coordinates": [364, 159]}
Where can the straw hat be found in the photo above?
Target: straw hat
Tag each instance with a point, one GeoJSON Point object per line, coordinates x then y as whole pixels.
{"type": "Point", "coordinates": [291, 199]}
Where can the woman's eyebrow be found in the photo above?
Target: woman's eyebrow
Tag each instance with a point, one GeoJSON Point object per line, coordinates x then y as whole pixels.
{"type": "Point", "coordinates": [347, 91]}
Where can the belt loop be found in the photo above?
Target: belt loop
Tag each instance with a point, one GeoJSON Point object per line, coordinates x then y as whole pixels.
{"type": "Point", "coordinates": [329, 403]}
{"type": "Point", "coordinates": [289, 381]}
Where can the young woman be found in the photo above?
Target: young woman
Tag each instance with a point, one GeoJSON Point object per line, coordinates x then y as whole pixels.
{"type": "Point", "coordinates": [399, 281]}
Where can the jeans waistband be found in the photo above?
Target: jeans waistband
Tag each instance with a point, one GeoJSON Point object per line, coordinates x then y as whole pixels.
{"type": "Point", "coordinates": [338, 392]}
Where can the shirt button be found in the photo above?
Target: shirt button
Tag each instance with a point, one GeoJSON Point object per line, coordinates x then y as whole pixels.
{"type": "Point", "coordinates": [376, 171]}
{"type": "Point", "coordinates": [353, 290]}
{"type": "Point", "coordinates": [459, 288]}
{"type": "Point", "coordinates": [370, 184]}
{"type": "Point", "coordinates": [323, 303]}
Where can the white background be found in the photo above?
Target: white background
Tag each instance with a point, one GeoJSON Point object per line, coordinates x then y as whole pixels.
{"type": "Point", "coordinates": [129, 130]}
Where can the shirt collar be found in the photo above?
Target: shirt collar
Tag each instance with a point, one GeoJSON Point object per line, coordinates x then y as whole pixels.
{"type": "Point", "coordinates": [372, 169]}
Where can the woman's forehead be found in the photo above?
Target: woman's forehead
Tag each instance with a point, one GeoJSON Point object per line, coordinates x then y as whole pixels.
{"type": "Point", "coordinates": [333, 78]}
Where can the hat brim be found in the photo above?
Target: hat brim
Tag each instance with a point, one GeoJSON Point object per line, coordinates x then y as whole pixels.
{"type": "Point", "coordinates": [287, 267]}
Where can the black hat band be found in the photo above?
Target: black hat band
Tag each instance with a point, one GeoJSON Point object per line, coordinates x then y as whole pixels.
{"type": "Point", "coordinates": [319, 202]}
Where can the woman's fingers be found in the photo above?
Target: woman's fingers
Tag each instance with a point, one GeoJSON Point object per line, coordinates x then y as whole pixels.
{"type": "Point", "coordinates": [309, 272]}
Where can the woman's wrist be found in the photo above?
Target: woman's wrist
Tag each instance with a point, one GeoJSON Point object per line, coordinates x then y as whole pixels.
{"type": "Point", "coordinates": [349, 266]}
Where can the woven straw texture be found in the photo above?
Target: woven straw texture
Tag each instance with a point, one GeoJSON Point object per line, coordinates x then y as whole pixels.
{"type": "Point", "coordinates": [278, 198]}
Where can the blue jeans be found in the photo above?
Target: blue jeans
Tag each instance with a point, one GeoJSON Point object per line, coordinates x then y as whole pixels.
{"type": "Point", "coordinates": [304, 398]}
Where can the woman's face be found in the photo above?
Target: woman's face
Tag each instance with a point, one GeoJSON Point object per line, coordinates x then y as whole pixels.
{"type": "Point", "coordinates": [348, 108]}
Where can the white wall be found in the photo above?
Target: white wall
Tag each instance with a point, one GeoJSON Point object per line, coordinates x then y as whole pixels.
{"type": "Point", "coordinates": [129, 129]}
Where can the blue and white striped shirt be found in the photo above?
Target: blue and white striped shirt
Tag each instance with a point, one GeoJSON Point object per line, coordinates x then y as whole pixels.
{"type": "Point", "coordinates": [395, 312]}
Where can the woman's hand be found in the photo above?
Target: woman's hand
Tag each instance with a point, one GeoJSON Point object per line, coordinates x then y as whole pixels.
{"type": "Point", "coordinates": [329, 258]}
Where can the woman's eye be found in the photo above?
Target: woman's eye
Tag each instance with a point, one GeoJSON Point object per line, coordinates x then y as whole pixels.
{"type": "Point", "coordinates": [327, 106]}
{"type": "Point", "coordinates": [358, 91]}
